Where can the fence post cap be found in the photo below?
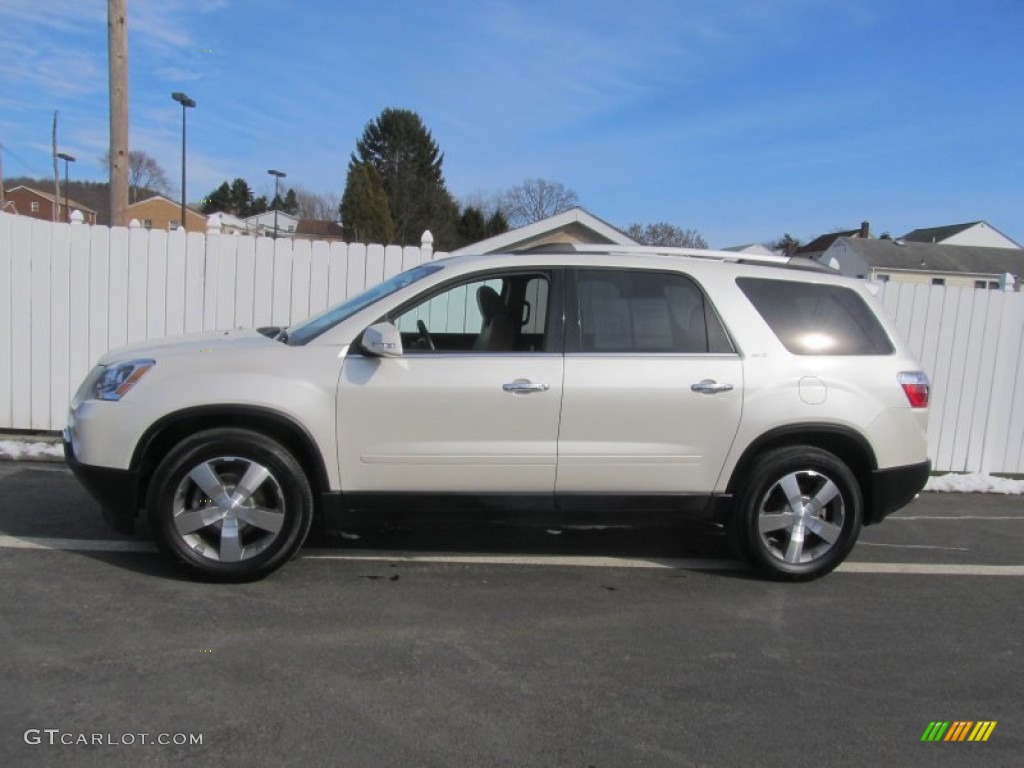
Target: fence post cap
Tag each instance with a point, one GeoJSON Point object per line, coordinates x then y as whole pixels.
{"type": "Point", "coordinates": [427, 239]}
{"type": "Point", "coordinates": [213, 223]}
{"type": "Point", "coordinates": [77, 217]}
{"type": "Point", "coordinates": [133, 224]}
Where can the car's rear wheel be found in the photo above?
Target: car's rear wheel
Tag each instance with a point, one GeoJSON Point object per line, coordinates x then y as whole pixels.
{"type": "Point", "coordinates": [799, 514]}
{"type": "Point", "coordinates": [231, 504]}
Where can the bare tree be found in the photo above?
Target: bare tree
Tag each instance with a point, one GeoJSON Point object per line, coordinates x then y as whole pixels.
{"type": "Point", "coordinates": [312, 205]}
{"type": "Point", "coordinates": [144, 173]}
{"type": "Point", "coordinates": [535, 199]}
{"type": "Point", "coordinates": [666, 235]}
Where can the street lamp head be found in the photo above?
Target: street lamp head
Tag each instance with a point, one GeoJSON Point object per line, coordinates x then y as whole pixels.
{"type": "Point", "coordinates": [65, 157]}
{"type": "Point", "coordinates": [182, 99]}
{"type": "Point", "coordinates": [278, 174]}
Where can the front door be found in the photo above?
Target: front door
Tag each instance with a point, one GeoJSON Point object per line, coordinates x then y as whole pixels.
{"type": "Point", "coordinates": [471, 407]}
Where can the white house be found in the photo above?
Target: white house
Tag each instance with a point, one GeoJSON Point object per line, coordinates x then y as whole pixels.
{"type": "Point", "coordinates": [952, 265]}
{"type": "Point", "coordinates": [263, 223]}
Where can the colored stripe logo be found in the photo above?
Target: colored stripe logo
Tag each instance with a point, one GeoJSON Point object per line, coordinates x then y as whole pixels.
{"type": "Point", "coordinates": [958, 730]}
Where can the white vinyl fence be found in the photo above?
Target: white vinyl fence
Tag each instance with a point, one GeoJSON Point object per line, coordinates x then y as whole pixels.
{"type": "Point", "coordinates": [971, 344]}
{"type": "Point", "coordinates": [70, 292]}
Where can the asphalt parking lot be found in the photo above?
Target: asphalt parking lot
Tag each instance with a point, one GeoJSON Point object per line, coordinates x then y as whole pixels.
{"type": "Point", "coordinates": [495, 645]}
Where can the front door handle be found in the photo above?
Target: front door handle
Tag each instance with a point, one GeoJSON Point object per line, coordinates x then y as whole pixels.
{"type": "Point", "coordinates": [710, 387]}
{"type": "Point", "coordinates": [524, 386]}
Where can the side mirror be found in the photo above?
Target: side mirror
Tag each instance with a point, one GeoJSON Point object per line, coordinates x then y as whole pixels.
{"type": "Point", "coordinates": [381, 340]}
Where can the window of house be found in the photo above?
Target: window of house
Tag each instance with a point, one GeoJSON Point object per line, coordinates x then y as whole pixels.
{"type": "Point", "coordinates": [938, 281]}
{"type": "Point", "coordinates": [882, 278]}
{"type": "Point", "coordinates": [640, 311]}
{"type": "Point", "coordinates": [174, 224]}
{"type": "Point", "coordinates": [35, 207]}
{"type": "Point", "coordinates": [147, 223]}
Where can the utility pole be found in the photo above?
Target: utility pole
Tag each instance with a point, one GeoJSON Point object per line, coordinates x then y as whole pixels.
{"type": "Point", "coordinates": [56, 174]}
{"type": "Point", "coordinates": [2, 199]}
{"type": "Point", "coordinates": [117, 47]}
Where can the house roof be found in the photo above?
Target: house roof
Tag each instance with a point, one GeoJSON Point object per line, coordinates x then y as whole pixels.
{"type": "Point", "coordinates": [939, 234]}
{"type": "Point", "coordinates": [822, 243]}
{"type": "Point", "coordinates": [318, 228]}
{"type": "Point", "coordinates": [932, 257]}
{"type": "Point", "coordinates": [176, 203]}
{"type": "Point", "coordinates": [49, 197]}
{"type": "Point", "coordinates": [576, 220]}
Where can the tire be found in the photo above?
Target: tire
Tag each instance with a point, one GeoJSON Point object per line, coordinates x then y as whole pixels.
{"type": "Point", "coordinates": [197, 514]}
{"type": "Point", "coordinates": [799, 514]}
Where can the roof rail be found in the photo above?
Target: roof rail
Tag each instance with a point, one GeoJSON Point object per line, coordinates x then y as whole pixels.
{"type": "Point", "coordinates": [696, 253]}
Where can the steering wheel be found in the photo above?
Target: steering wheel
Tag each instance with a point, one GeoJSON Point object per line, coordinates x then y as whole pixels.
{"type": "Point", "coordinates": [425, 334]}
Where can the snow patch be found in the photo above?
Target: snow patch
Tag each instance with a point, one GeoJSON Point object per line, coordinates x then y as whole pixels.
{"type": "Point", "coordinates": [16, 449]}
{"type": "Point", "coordinates": [974, 483]}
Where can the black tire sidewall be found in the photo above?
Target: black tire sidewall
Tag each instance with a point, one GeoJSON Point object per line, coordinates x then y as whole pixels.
{"type": "Point", "coordinates": [245, 445]}
{"type": "Point", "coordinates": [765, 472]}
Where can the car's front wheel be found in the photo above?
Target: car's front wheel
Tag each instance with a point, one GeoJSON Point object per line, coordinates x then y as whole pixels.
{"type": "Point", "coordinates": [799, 513]}
{"type": "Point", "coordinates": [232, 504]}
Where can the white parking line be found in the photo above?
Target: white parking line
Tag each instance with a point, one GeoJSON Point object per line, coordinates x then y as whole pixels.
{"type": "Point", "coordinates": [933, 569]}
{"type": "Point", "coordinates": [75, 545]}
{"type": "Point", "coordinates": [955, 517]}
{"type": "Point", "coordinates": [572, 561]}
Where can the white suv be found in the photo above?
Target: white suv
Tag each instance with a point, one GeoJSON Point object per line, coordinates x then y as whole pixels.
{"type": "Point", "coordinates": [770, 399]}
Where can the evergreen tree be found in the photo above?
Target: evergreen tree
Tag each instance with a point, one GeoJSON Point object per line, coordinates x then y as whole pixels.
{"type": "Point", "coordinates": [241, 198]}
{"type": "Point", "coordinates": [408, 162]}
{"type": "Point", "coordinates": [472, 226]}
{"type": "Point", "coordinates": [218, 200]}
{"type": "Point", "coordinates": [497, 224]}
{"type": "Point", "coordinates": [290, 203]}
{"type": "Point", "coordinates": [258, 205]}
{"type": "Point", "coordinates": [365, 216]}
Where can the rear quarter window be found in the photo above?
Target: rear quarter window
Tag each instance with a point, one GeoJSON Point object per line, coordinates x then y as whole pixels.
{"type": "Point", "coordinates": [817, 319]}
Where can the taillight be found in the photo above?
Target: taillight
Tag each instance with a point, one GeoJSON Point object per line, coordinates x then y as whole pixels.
{"type": "Point", "coordinates": [915, 386]}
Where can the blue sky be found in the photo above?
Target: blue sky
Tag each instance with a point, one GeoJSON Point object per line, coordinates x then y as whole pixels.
{"type": "Point", "coordinates": [742, 119]}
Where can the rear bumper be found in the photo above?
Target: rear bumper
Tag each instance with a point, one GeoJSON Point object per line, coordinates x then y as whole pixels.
{"type": "Point", "coordinates": [116, 490]}
{"type": "Point", "coordinates": [894, 488]}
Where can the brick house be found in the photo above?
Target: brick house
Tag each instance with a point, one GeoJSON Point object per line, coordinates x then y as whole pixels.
{"type": "Point", "coordinates": [27, 201]}
{"type": "Point", "coordinates": [159, 212]}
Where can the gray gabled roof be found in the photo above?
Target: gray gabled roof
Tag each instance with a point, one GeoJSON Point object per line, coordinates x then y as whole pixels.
{"type": "Point", "coordinates": [932, 257]}
{"type": "Point", "coordinates": [578, 220]}
{"type": "Point", "coordinates": [937, 234]}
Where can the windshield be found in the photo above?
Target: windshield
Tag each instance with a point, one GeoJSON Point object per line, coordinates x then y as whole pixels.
{"type": "Point", "coordinates": [311, 328]}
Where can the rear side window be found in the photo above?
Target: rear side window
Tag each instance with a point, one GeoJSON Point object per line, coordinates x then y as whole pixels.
{"type": "Point", "coordinates": [625, 311]}
{"type": "Point", "coordinates": [814, 319]}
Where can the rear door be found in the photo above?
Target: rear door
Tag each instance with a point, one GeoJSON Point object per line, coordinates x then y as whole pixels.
{"type": "Point", "coordinates": [653, 388]}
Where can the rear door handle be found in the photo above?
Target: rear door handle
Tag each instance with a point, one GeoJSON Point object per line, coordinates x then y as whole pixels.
{"type": "Point", "coordinates": [710, 387]}
{"type": "Point", "coordinates": [524, 386]}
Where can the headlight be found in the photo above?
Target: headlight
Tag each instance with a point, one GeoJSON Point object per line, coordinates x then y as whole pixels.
{"type": "Point", "coordinates": [117, 379]}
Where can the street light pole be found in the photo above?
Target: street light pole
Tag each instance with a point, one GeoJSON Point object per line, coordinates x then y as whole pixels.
{"type": "Point", "coordinates": [185, 102]}
{"type": "Point", "coordinates": [278, 175]}
{"type": "Point", "coordinates": [67, 205]}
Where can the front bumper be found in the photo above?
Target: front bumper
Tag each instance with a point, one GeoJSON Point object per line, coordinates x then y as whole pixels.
{"type": "Point", "coordinates": [115, 489]}
{"type": "Point", "coordinates": [894, 488]}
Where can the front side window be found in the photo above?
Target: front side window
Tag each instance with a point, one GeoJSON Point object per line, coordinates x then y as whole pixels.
{"type": "Point", "coordinates": [495, 313]}
{"type": "Point", "coordinates": [626, 311]}
{"type": "Point", "coordinates": [817, 319]}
